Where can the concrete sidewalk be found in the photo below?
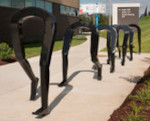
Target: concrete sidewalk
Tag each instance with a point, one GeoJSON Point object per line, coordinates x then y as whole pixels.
{"type": "Point", "coordinates": [84, 99]}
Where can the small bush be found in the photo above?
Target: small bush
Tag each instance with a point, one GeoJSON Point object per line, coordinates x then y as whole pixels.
{"type": "Point", "coordinates": [134, 115]}
{"type": "Point", "coordinates": [143, 95]}
{"type": "Point", "coordinates": [5, 51]}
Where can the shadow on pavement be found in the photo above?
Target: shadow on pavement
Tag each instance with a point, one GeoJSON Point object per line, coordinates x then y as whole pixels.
{"type": "Point", "coordinates": [131, 79]}
{"type": "Point", "coordinates": [58, 99]}
{"type": "Point", "coordinates": [77, 72]}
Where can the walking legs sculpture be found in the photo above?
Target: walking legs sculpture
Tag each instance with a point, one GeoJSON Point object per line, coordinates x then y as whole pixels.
{"type": "Point", "coordinates": [47, 46]}
{"type": "Point", "coordinates": [110, 48]}
{"type": "Point", "coordinates": [66, 46]}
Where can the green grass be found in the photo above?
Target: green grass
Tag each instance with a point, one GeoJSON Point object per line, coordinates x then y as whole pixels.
{"type": "Point", "coordinates": [135, 114]}
{"type": "Point", "coordinates": [34, 49]}
{"type": "Point", "coordinates": [143, 95]}
{"type": "Point", "coordinates": [139, 105]}
{"type": "Point", "coordinates": [144, 23]}
{"type": "Point", "coordinates": [145, 27]}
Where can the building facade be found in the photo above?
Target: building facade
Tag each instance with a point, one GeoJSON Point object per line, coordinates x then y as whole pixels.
{"type": "Point", "coordinates": [65, 12]}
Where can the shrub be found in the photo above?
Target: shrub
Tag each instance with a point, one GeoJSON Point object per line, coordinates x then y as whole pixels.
{"type": "Point", "coordinates": [143, 96]}
{"type": "Point", "coordinates": [5, 51]}
{"type": "Point", "coordinates": [135, 114]}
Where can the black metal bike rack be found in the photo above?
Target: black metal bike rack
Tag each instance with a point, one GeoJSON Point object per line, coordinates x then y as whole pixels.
{"type": "Point", "coordinates": [46, 52]}
{"type": "Point", "coordinates": [139, 34]}
{"type": "Point", "coordinates": [127, 31]}
{"type": "Point", "coordinates": [94, 48]}
{"type": "Point", "coordinates": [111, 44]}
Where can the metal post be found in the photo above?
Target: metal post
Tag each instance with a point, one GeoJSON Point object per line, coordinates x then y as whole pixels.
{"type": "Point", "coordinates": [109, 12]}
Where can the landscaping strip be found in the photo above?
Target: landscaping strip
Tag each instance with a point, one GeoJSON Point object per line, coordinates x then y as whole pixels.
{"type": "Point", "coordinates": [136, 107]}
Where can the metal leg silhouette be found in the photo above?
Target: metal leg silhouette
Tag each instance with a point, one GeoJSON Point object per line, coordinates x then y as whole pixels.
{"type": "Point", "coordinates": [47, 46]}
{"type": "Point", "coordinates": [127, 31]}
{"type": "Point", "coordinates": [118, 45]}
{"type": "Point", "coordinates": [139, 34]}
{"type": "Point", "coordinates": [17, 41]}
{"type": "Point", "coordinates": [66, 46]}
{"type": "Point", "coordinates": [111, 44]}
{"type": "Point", "coordinates": [130, 42]}
{"type": "Point", "coordinates": [124, 48]}
{"type": "Point", "coordinates": [108, 46]}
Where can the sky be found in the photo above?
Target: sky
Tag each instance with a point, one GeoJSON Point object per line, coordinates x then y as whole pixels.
{"type": "Point", "coordinates": [143, 3]}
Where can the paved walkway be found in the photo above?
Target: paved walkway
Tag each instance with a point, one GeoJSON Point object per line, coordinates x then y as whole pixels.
{"type": "Point", "coordinates": [84, 99]}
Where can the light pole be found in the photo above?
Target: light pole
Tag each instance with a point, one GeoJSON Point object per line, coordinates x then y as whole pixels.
{"type": "Point", "coordinates": [109, 12]}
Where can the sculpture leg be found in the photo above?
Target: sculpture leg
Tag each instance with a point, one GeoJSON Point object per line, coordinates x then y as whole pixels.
{"type": "Point", "coordinates": [44, 91]}
{"type": "Point", "coordinates": [26, 66]}
{"type": "Point", "coordinates": [65, 69]}
{"type": "Point", "coordinates": [124, 50]}
{"type": "Point", "coordinates": [139, 40]}
{"type": "Point", "coordinates": [99, 68]}
{"type": "Point", "coordinates": [45, 59]}
{"type": "Point", "coordinates": [17, 42]}
{"type": "Point", "coordinates": [108, 47]}
{"type": "Point", "coordinates": [112, 69]}
{"type": "Point", "coordinates": [131, 52]}
{"type": "Point", "coordinates": [119, 51]}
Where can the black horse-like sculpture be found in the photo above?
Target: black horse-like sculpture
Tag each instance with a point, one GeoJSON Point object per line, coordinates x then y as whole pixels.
{"type": "Point", "coordinates": [94, 48]}
{"type": "Point", "coordinates": [47, 46]}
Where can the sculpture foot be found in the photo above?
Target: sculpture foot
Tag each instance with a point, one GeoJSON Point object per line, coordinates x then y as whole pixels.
{"type": "Point", "coordinates": [34, 89]}
{"type": "Point", "coordinates": [99, 78]}
{"type": "Point", "coordinates": [131, 59]}
{"type": "Point", "coordinates": [41, 112]}
{"type": "Point", "coordinates": [94, 67]}
{"type": "Point", "coordinates": [100, 72]}
{"type": "Point", "coordinates": [63, 83]}
{"type": "Point", "coordinates": [122, 63]}
{"type": "Point", "coordinates": [112, 70]}
{"type": "Point", "coordinates": [108, 61]}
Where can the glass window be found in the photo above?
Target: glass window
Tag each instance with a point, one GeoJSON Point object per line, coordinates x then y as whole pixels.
{"type": "Point", "coordinates": [29, 3]}
{"type": "Point", "coordinates": [72, 12]}
{"type": "Point", "coordinates": [5, 3]}
{"type": "Point", "coordinates": [39, 3]}
{"type": "Point", "coordinates": [49, 7]}
{"type": "Point", "coordinates": [68, 10]}
{"type": "Point", "coordinates": [62, 9]}
{"type": "Point", "coordinates": [18, 3]}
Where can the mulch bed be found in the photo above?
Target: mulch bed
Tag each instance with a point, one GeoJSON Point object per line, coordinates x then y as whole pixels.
{"type": "Point", "coordinates": [7, 61]}
{"type": "Point", "coordinates": [125, 108]}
